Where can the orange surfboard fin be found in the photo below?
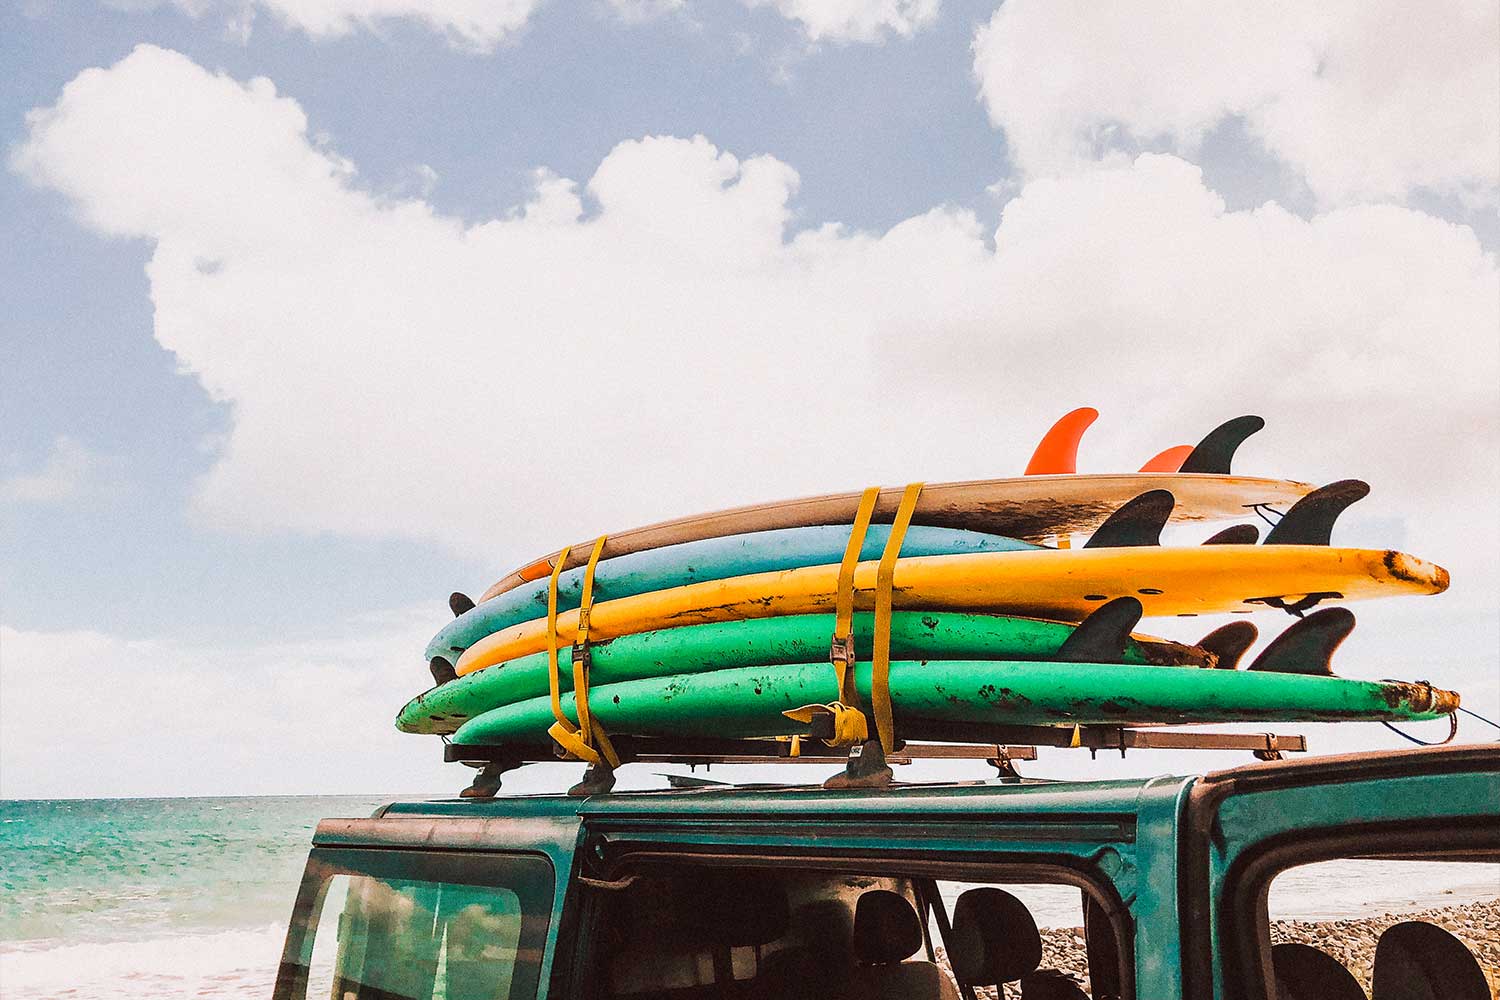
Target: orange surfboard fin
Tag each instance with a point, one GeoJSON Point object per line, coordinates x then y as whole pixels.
{"type": "Point", "coordinates": [1058, 453]}
{"type": "Point", "coordinates": [1170, 460]}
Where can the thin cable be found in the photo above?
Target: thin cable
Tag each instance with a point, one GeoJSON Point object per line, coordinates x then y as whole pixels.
{"type": "Point", "coordinates": [1452, 732]}
{"type": "Point", "coordinates": [1452, 717]}
{"type": "Point", "coordinates": [1410, 738]}
{"type": "Point", "coordinates": [1488, 722]}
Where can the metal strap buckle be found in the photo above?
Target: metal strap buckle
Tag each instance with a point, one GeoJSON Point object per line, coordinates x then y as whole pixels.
{"type": "Point", "coordinates": [841, 651]}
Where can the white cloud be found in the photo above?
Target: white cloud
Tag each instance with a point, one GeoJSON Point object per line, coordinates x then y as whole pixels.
{"type": "Point", "coordinates": [657, 341]}
{"type": "Point", "coordinates": [1367, 99]}
{"type": "Point", "coordinates": [70, 469]}
{"type": "Point", "coordinates": [89, 714]}
{"type": "Point", "coordinates": [479, 25]}
{"type": "Point", "coordinates": [856, 20]}
{"type": "Point", "coordinates": [635, 11]}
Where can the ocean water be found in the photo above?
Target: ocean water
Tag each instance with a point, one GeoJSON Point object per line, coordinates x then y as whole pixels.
{"type": "Point", "coordinates": [122, 898]}
{"type": "Point", "coordinates": [127, 898]}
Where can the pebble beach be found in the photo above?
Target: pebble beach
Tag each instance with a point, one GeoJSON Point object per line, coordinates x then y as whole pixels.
{"type": "Point", "coordinates": [1352, 942]}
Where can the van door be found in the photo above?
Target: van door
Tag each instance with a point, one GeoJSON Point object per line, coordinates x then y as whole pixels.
{"type": "Point", "coordinates": [425, 908]}
{"type": "Point", "coordinates": [1364, 832]}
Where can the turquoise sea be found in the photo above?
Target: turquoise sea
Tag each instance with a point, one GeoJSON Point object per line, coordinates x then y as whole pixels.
{"type": "Point", "coordinates": [152, 897]}
{"type": "Point", "coordinates": [189, 897]}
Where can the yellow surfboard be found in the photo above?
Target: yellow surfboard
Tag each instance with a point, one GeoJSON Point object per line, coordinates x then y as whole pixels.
{"type": "Point", "coordinates": [1061, 585]}
{"type": "Point", "coordinates": [1033, 508]}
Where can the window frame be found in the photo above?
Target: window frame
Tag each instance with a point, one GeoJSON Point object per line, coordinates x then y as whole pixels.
{"type": "Point", "coordinates": [530, 876]}
{"type": "Point", "coordinates": [1201, 837]}
{"type": "Point", "coordinates": [1244, 917]}
{"type": "Point", "coordinates": [614, 867]}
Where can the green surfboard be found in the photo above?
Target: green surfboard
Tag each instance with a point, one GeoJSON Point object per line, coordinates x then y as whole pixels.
{"type": "Point", "coordinates": [937, 635]}
{"type": "Point", "coordinates": [749, 701]}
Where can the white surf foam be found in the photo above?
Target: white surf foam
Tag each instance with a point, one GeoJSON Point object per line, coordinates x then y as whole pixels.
{"type": "Point", "coordinates": [236, 963]}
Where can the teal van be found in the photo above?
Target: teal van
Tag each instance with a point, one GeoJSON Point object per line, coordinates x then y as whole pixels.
{"type": "Point", "coordinates": [914, 891]}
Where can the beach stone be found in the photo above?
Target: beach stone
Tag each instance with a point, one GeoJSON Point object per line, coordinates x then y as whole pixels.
{"type": "Point", "coordinates": [1351, 941]}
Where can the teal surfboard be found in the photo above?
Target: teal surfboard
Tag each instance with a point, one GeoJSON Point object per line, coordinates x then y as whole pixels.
{"type": "Point", "coordinates": [699, 561]}
{"type": "Point", "coordinates": [690, 649]}
{"type": "Point", "coordinates": [749, 701]}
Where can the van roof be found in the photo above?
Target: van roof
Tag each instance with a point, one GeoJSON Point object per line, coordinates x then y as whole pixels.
{"type": "Point", "coordinates": [1120, 795]}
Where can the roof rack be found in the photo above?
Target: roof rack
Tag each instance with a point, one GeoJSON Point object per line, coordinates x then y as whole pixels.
{"type": "Point", "coordinates": [866, 764]}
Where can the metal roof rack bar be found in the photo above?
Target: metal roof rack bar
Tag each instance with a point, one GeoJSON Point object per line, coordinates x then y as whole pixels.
{"type": "Point", "coordinates": [987, 742]}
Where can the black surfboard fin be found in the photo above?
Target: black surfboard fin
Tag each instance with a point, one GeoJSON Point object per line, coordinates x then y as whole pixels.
{"type": "Point", "coordinates": [1137, 522]}
{"type": "Point", "coordinates": [1101, 637]}
{"type": "Point", "coordinates": [1236, 534]}
{"type": "Point", "coordinates": [1307, 646]}
{"type": "Point", "coordinates": [460, 603]}
{"type": "Point", "coordinates": [1216, 451]}
{"type": "Point", "coordinates": [442, 670]}
{"type": "Point", "coordinates": [1310, 520]}
{"type": "Point", "coordinates": [1228, 643]}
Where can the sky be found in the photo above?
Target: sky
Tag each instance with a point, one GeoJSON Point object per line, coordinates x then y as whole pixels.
{"type": "Point", "coordinates": [317, 310]}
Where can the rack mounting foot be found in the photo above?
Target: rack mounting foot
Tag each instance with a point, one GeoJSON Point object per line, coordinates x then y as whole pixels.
{"type": "Point", "coordinates": [598, 779]}
{"type": "Point", "coordinates": [866, 768]}
{"type": "Point", "coordinates": [487, 782]}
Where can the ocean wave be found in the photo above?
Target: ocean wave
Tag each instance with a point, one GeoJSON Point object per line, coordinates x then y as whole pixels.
{"type": "Point", "coordinates": [222, 964]}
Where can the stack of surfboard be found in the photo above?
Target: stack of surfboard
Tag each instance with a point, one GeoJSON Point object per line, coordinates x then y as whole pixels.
{"type": "Point", "coordinates": [946, 605]}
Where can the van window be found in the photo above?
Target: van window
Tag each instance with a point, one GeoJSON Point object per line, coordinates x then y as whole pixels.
{"type": "Point", "coordinates": [1079, 953]}
{"type": "Point", "coordinates": [700, 932]}
{"type": "Point", "coordinates": [1361, 913]}
{"type": "Point", "coordinates": [1337, 926]}
{"type": "Point", "coordinates": [374, 925]}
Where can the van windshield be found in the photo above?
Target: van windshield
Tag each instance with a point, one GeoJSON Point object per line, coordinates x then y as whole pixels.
{"type": "Point", "coordinates": [373, 925]}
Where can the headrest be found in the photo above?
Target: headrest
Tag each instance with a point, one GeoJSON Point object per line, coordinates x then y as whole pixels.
{"type": "Point", "coordinates": [1415, 960]}
{"type": "Point", "coordinates": [738, 911]}
{"type": "Point", "coordinates": [1307, 973]}
{"type": "Point", "coordinates": [886, 928]}
{"type": "Point", "coordinates": [995, 939]}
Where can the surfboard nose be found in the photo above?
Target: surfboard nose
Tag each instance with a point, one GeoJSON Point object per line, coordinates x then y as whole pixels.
{"type": "Point", "coordinates": [1428, 575]}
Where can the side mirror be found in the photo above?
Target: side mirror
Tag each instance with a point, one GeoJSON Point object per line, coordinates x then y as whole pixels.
{"type": "Point", "coordinates": [1421, 961]}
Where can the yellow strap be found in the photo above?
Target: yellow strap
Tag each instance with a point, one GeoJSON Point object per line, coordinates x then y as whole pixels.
{"type": "Point", "coordinates": [880, 669]}
{"type": "Point", "coordinates": [586, 599]}
{"type": "Point", "coordinates": [581, 645]}
{"type": "Point", "coordinates": [793, 744]}
{"type": "Point", "coordinates": [590, 733]}
{"type": "Point", "coordinates": [567, 736]}
{"type": "Point", "coordinates": [841, 651]}
{"type": "Point", "coordinates": [552, 678]}
{"type": "Point", "coordinates": [571, 740]}
{"type": "Point", "coordinates": [849, 725]}
{"type": "Point", "coordinates": [606, 748]}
